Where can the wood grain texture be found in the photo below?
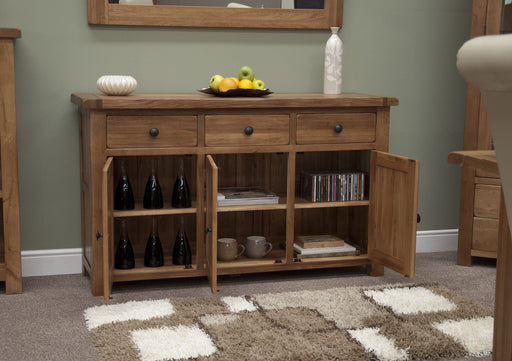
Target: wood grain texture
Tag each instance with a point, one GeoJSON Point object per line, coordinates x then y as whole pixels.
{"type": "Point", "coordinates": [9, 164]}
{"type": "Point", "coordinates": [502, 340]}
{"type": "Point", "coordinates": [108, 227]}
{"type": "Point", "coordinates": [321, 128]}
{"type": "Point", "coordinates": [487, 199]}
{"type": "Point", "coordinates": [134, 131]}
{"type": "Point", "coordinates": [177, 101]}
{"type": "Point", "coordinates": [101, 12]}
{"type": "Point", "coordinates": [485, 234]}
{"type": "Point", "coordinates": [229, 130]}
{"type": "Point", "coordinates": [481, 159]}
{"type": "Point", "coordinates": [10, 33]}
{"type": "Point", "coordinates": [393, 205]}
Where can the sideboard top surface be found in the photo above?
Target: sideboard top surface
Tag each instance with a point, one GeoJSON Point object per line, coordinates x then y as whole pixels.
{"type": "Point", "coordinates": [206, 101]}
{"type": "Point", "coordinates": [10, 33]}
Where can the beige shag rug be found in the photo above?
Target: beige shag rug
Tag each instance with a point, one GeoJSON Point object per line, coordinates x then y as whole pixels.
{"type": "Point", "coordinates": [391, 322]}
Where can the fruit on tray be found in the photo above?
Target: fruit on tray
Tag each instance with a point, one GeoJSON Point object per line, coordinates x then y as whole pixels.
{"type": "Point", "coordinates": [244, 80]}
{"type": "Point", "coordinates": [227, 83]}
{"type": "Point", "coordinates": [215, 81]}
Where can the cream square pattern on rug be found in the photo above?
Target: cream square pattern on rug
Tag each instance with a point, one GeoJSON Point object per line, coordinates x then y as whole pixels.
{"type": "Point", "coordinates": [172, 343]}
{"type": "Point", "coordinates": [411, 300]}
{"type": "Point", "coordinates": [385, 323]}
{"type": "Point", "coordinates": [133, 310]}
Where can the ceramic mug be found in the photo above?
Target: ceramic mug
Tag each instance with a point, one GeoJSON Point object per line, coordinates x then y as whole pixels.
{"type": "Point", "coordinates": [257, 246]}
{"type": "Point", "coordinates": [228, 249]}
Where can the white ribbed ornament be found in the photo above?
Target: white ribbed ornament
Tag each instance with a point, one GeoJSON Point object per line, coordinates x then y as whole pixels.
{"type": "Point", "coordinates": [333, 63]}
{"type": "Point", "coordinates": [116, 84]}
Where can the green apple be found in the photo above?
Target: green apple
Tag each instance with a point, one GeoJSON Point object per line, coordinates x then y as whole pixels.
{"type": "Point", "coordinates": [246, 72]}
{"type": "Point", "coordinates": [258, 84]}
{"type": "Point", "coordinates": [215, 81]}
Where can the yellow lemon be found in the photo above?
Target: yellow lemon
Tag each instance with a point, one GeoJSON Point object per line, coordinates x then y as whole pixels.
{"type": "Point", "coordinates": [226, 84]}
{"type": "Point", "coordinates": [245, 84]}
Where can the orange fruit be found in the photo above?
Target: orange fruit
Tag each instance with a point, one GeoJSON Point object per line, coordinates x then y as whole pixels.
{"type": "Point", "coordinates": [226, 84]}
{"type": "Point", "coordinates": [235, 79]}
{"type": "Point", "coordinates": [245, 84]}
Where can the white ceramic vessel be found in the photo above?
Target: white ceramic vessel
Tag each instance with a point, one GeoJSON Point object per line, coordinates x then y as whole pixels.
{"type": "Point", "coordinates": [333, 63]}
{"type": "Point", "coordinates": [116, 84]}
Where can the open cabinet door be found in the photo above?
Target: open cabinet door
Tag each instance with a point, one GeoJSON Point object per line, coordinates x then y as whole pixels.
{"type": "Point", "coordinates": [393, 212]}
{"type": "Point", "coordinates": [212, 174]}
{"type": "Point", "coordinates": [107, 193]}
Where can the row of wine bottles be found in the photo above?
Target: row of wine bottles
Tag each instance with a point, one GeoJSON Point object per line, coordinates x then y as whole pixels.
{"type": "Point", "coordinates": [153, 198]}
{"type": "Point", "coordinates": [153, 255]}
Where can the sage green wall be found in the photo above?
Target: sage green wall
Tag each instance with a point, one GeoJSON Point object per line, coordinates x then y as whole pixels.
{"type": "Point", "coordinates": [403, 48]}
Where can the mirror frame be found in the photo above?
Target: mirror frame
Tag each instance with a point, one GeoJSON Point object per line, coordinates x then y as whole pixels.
{"type": "Point", "coordinates": [101, 12]}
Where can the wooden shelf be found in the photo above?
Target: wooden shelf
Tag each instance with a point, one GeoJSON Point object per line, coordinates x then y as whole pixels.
{"type": "Point", "coordinates": [301, 204]}
{"type": "Point", "coordinates": [140, 211]}
{"type": "Point", "coordinates": [255, 207]}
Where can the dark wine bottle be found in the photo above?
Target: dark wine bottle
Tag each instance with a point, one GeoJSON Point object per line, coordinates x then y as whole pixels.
{"type": "Point", "coordinates": [153, 194]}
{"type": "Point", "coordinates": [123, 199]}
{"type": "Point", "coordinates": [181, 191]}
{"type": "Point", "coordinates": [154, 254]}
{"type": "Point", "coordinates": [124, 258]}
{"type": "Point", "coordinates": [181, 254]}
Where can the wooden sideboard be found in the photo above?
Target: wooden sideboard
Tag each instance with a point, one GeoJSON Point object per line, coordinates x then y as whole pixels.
{"type": "Point", "coordinates": [242, 141]}
{"type": "Point", "coordinates": [10, 250]}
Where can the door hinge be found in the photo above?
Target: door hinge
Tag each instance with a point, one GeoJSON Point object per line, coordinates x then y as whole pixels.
{"type": "Point", "coordinates": [98, 235]}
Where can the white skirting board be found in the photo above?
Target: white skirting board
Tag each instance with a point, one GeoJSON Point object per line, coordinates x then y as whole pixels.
{"type": "Point", "coordinates": [69, 260]}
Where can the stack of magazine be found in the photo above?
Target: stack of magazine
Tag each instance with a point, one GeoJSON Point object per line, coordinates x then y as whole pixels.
{"type": "Point", "coordinates": [322, 246]}
{"type": "Point", "coordinates": [245, 196]}
{"type": "Point", "coordinates": [332, 186]}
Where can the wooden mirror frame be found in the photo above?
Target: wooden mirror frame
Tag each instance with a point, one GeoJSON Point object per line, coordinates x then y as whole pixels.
{"type": "Point", "coordinates": [101, 12]}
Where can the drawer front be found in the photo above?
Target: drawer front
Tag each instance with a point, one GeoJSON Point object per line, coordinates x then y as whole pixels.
{"type": "Point", "coordinates": [234, 130]}
{"type": "Point", "coordinates": [487, 201]}
{"type": "Point", "coordinates": [336, 128]}
{"type": "Point", "coordinates": [485, 234]}
{"type": "Point", "coordinates": [136, 131]}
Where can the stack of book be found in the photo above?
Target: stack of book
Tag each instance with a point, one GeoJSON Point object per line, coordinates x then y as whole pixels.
{"type": "Point", "coordinates": [332, 186]}
{"type": "Point", "coordinates": [322, 246]}
{"type": "Point", "coordinates": [245, 196]}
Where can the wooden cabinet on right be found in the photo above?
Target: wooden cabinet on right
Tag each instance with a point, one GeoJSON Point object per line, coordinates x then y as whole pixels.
{"type": "Point", "coordinates": [480, 191]}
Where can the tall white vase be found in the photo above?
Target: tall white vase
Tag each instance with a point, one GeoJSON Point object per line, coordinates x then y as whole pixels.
{"type": "Point", "coordinates": [333, 63]}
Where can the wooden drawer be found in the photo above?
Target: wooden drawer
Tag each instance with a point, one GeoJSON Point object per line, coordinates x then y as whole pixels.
{"type": "Point", "coordinates": [336, 128]}
{"type": "Point", "coordinates": [485, 234]}
{"type": "Point", "coordinates": [233, 130]}
{"type": "Point", "coordinates": [134, 131]}
{"type": "Point", "coordinates": [487, 201]}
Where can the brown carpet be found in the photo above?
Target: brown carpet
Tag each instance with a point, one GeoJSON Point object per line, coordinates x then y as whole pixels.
{"type": "Point", "coordinates": [391, 322]}
{"type": "Point", "coordinates": [46, 321]}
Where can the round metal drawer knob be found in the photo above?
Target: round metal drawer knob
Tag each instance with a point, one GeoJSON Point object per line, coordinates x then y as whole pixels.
{"type": "Point", "coordinates": [154, 132]}
{"type": "Point", "coordinates": [248, 130]}
{"type": "Point", "coordinates": [338, 128]}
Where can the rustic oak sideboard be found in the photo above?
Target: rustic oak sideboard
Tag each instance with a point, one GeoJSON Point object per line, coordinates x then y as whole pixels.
{"type": "Point", "coordinates": [222, 142]}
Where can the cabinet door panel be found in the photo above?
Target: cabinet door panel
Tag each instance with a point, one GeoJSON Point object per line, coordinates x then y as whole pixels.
{"type": "Point", "coordinates": [212, 178]}
{"type": "Point", "coordinates": [393, 210]}
{"type": "Point", "coordinates": [107, 193]}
